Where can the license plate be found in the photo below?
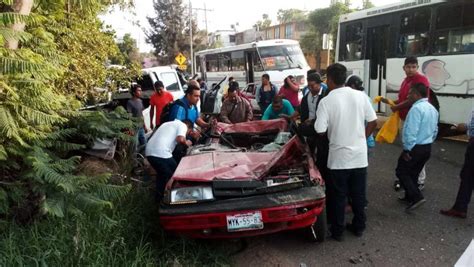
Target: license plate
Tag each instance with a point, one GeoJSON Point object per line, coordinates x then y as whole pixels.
{"type": "Point", "coordinates": [244, 221]}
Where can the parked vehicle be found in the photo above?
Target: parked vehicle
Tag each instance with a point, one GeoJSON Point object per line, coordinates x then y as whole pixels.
{"type": "Point", "coordinates": [166, 74]}
{"type": "Point", "coordinates": [248, 62]}
{"type": "Point", "coordinates": [373, 44]}
{"type": "Point", "coordinates": [248, 179]}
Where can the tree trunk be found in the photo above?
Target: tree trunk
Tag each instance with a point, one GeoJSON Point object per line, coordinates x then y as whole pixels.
{"type": "Point", "coordinates": [22, 7]}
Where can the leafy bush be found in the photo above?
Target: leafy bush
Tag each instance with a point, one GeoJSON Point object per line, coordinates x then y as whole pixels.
{"type": "Point", "coordinates": [135, 240]}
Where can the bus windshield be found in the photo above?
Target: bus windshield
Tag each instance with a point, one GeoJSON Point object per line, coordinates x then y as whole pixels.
{"type": "Point", "coordinates": [282, 57]}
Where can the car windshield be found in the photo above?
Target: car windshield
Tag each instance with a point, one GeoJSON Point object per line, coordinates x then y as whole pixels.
{"type": "Point", "coordinates": [282, 57]}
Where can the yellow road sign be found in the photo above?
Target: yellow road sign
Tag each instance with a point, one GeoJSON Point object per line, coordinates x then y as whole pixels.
{"type": "Point", "coordinates": [182, 67]}
{"type": "Point", "coordinates": [180, 58]}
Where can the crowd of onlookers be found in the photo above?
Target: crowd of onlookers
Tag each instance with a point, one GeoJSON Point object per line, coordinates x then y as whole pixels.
{"type": "Point", "coordinates": [337, 120]}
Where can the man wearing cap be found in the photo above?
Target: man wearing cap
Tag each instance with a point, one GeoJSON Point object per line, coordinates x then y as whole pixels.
{"type": "Point", "coordinates": [235, 109]}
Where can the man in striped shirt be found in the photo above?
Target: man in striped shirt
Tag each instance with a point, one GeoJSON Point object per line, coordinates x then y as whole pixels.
{"type": "Point", "coordinates": [463, 198]}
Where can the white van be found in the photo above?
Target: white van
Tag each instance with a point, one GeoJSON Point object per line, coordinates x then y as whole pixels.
{"type": "Point", "coordinates": [165, 74]}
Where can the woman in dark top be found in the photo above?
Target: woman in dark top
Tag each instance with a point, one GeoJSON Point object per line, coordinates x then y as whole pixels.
{"type": "Point", "coordinates": [265, 93]}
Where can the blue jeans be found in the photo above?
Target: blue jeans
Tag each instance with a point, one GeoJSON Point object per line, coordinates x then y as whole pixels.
{"type": "Point", "coordinates": [141, 136]}
{"type": "Point", "coordinates": [344, 183]}
{"type": "Point", "coordinates": [164, 171]}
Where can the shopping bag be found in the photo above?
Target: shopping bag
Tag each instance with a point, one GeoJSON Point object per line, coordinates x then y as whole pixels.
{"type": "Point", "coordinates": [389, 130]}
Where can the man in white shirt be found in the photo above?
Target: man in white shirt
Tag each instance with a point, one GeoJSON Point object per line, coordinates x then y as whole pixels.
{"type": "Point", "coordinates": [160, 146]}
{"type": "Point", "coordinates": [342, 115]}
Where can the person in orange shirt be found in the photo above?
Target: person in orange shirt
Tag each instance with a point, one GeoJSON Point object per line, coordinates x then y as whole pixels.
{"type": "Point", "coordinates": [158, 101]}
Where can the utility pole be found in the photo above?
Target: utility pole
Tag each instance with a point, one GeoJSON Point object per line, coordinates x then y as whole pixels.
{"type": "Point", "coordinates": [191, 37]}
{"type": "Point", "coordinates": [205, 16]}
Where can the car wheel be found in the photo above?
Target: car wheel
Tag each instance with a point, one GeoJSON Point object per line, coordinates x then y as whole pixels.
{"type": "Point", "coordinates": [317, 232]}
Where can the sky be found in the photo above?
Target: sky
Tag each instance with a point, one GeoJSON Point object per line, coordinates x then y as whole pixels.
{"type": "Point", "coordinates": [220, 16]}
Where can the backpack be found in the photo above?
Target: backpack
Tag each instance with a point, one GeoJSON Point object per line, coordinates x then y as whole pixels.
{"type": "Point", "coordinates": [433, 99]}
{"type": "Point", "coordinates": [166, 112]}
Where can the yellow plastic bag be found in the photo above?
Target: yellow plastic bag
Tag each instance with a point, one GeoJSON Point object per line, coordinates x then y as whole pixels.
{"type": "Point", "coordinates": [389, 130]}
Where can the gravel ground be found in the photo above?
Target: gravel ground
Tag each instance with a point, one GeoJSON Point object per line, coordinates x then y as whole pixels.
{"type": "Point", "coordinates": [392, 237]}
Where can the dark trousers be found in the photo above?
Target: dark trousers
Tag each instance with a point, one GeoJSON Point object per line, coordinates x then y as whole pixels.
{"type": "Point", "coordinates": [408, 171]}
{"type": "Point", "coordinates": [344, 183]}
{"type": "Point", "coordinates": [467, 180]}
{"type": "Point", "coordinates": [320, 144]}
{"type": "Point", "coordinates": [164, 170]}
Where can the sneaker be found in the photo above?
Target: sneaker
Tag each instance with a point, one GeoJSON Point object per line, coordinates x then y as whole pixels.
{"type": "Point", "coordinates": [350, 228]}
{"type": "Point", "coordinates": [415, 204]}
{"type": "Point", "coordinates": [338, 238]}
{"type": "Point", "coordinates": [421, 187]}
{"type": "Point", "coordinates": [454, 213]}
{"type": "Point", "coordinates": [396, 185]}
{"type": "Point", "coordinates": [404, 200]}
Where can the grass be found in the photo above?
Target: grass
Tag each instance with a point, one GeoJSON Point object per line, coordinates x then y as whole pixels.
{"type": "Point", "coordinates": [134, 240]}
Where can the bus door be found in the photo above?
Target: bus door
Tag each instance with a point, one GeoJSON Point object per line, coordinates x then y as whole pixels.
{"type": "Point", "coordinates": [249, 66]}
{"type": "Point", "coordinates": [377, 50]}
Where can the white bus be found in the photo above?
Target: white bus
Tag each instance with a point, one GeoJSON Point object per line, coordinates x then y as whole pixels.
{"type": "Point", "coordinates": [373, 44]}
{"type": "Point", "coordinates": [248, 62]}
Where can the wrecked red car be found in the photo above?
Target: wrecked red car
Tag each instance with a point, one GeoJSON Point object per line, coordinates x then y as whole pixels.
{"type": "Point", "coordinates": [248, 179]}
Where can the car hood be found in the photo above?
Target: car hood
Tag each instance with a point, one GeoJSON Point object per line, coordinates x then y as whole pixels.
{"type": "Point", "coordinates": [252, 126]}
{"type": "Point", "coordinates": [236, 165]}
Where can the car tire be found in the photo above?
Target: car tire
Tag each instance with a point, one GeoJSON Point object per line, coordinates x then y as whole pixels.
{"type": "Point", "coordinates": [318, 231]}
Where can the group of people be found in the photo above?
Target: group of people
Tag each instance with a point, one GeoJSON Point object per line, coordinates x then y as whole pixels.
{"type": "Point", "coordinates": [337, 119]}
{"type": "Point", "coordinates": [173, 131]}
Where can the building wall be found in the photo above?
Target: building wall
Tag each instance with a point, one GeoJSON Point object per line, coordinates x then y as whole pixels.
{"type": "Point", "coordinates": [298, 30]}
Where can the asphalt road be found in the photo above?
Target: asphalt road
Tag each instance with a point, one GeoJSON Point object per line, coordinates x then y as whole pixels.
{"type": "Point", "coordinates": [392, 237]}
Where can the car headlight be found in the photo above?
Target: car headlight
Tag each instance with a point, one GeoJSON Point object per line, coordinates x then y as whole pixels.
{"type": "Point", "coordinates": [192, 194]}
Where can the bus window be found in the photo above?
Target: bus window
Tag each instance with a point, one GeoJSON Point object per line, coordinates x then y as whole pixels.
{"type": "Point", "coordinates": [211, 63]}
{"type": "Point", "coordinates": [224, 61]}
{"type": "Point", "coordinates": [238, 61]}
{"type": "Point", "coordinates": [454, 29]}
{"type": "Point", "coordinates": [282, 57]}
{"type": "Point", "coordinates": [414, 28]}
{"type": "Point", "coordinates": [353, 42]}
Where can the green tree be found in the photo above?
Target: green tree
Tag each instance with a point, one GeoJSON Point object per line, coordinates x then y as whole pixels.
{"type": "Point", "coordinates": [367, 4]}
{"type": "Point", "coordinates": [129, 50]}
{"type": "Point", "coordinates": [265, 22]}
{"type": "Point", "coordinates": [322, 21]}
{"type": "Point", "coordinates": [290, 15]}
{"type": "Point", "coordinates": [170, 30]}
{"type": "Point", "coordinates": [39, 52]}
{"type": "Point", "coordinates": [167, 29]}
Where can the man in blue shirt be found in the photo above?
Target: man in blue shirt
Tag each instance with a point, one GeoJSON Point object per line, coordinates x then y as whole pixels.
{"type": "Point", "coordinates": [419, 131]}
{"type": "Point", "coordinates": [463, 198]}
{"type": "Point", "coordinates": [189, 111]}
{"type": "Point", "coordinates": [278, 108]}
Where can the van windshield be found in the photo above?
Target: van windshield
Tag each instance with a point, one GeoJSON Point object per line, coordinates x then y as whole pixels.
{"type": "Point", "coordinates": [170, 81]}
{"type": "Point", "coordinates": [282, 57]}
